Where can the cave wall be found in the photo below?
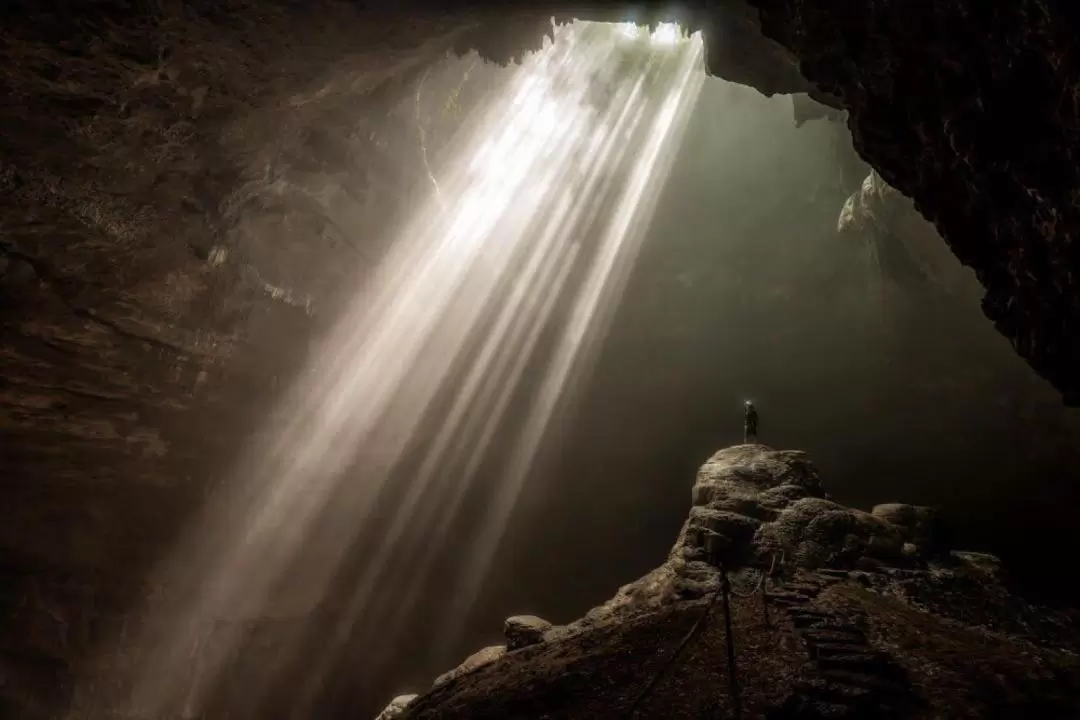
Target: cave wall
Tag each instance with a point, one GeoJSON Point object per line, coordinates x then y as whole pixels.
{"type": "Point", "coordinates": [968, 108]}
{"type": "Point", "coordinates": [176, 178]}
{"type": "Point", "coordinates": [971, 110]}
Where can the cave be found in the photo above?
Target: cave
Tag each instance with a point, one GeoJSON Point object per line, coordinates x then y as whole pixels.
{"type": "Point", "coordinates": [885, 262]}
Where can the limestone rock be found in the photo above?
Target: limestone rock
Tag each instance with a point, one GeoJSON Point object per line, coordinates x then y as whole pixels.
{"type": "Point", "coordinates": [477, 660]}
{"type": "Point", "coordinates": [396, 708]}
{"type": "Point", "coordinates": [844, 570]}
{"type": "Point", "coordinates": [869, 206]}
{"type": "Point", "coordinates": [752, 503]}
{"type": "Point", "coordinates": [524, 630]}
{"type": "Point", "coordinates": [821, 533]}
{"type": "Point", "coordinates": [920, 526]}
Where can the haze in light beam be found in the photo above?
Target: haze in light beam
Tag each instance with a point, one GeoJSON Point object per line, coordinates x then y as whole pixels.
{"type": "Point", "coordinates": [541, 216]}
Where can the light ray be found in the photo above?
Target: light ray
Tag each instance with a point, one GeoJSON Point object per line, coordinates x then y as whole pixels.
{"type": "Point", "coordinates": [535, 225]}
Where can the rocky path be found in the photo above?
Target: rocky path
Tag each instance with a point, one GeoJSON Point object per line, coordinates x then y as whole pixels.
{"type": "Point", "coordinates": [845, 677]}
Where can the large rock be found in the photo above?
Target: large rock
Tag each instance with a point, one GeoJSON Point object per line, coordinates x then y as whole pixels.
{"type": "Point", "coordinates": [751, 504]}
{"type": "Point", "coordinates": [815, 533]}
{"type": "Point", "coordinates": [906, 243]}
{"type": "Point", "coordinates": [396, 708]}
{"type": "Point", "coordinates": [524, 630]}
{"type": "Point", "coordinates": [477, 660]}
{"type": "Point", "coordinates": [920, 526]}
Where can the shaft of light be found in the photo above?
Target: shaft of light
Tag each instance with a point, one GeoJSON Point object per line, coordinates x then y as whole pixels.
{"type": "Point", "coordinates": [596, 301]}
{"type": "Point", "coordinates": [546, 201]}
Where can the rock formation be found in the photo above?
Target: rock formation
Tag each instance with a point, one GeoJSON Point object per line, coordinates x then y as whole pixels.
{"type": "Point", "coordinates": [907, 246]}
{"type": "Point", "coordinates": [837, 613]}
{"type": "Point", "coordinates": [396, 708]}
{"type": "Point", "coordinates": [524, 630]}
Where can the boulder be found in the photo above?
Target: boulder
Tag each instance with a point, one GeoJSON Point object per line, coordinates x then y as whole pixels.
{"type": "Point", "coordinates": [477, 660]}
{"type": "Point", "coordinates": [821, 533]}
{"type": "Point", "coordinates": [921, 526]}
{"type": "Point", "coordinates": [396, 708]}
{"type": "Point", "coordinates": [524, 630]}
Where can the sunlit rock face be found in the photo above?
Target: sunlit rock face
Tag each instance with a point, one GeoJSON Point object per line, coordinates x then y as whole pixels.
{"type": "Point", "coordinates": [869, 615]}
{"type": "Point", "coordinates": [396, 708]}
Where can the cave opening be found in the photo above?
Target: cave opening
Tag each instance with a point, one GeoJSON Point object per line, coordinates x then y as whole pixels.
{"type": "Point", "coordinates": [754, 254]}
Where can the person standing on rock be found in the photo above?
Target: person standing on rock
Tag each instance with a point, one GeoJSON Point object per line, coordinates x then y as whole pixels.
{"type": "Point", "coordinates": [750, 419]}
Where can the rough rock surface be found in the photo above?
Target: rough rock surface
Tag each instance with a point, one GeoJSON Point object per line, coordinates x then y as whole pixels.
{"type": "Point", "coordinates": [905, 247]}
{"type": "Point", "coordinates": [850, 625]}
{"type": "Point", "coordinates": [176, 178]}
{"type": "Point", "coordinates": [524, 630]}
{"type": "Point", "coordinates": [477, 660]}
{"type": "Point", "coordinates": [396, 708]}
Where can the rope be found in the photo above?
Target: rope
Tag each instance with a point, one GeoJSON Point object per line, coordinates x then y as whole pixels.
{"type": "Point", "coordinates": [723, 589]}
{"type": "Point", "coordinates": [733, 680]}
{"type": "Point", "coordinates": [698, 625]}
{"type": "Point", "coordinates": [752, 593]}
{"type": "Point", "coordinates": [761, 578]}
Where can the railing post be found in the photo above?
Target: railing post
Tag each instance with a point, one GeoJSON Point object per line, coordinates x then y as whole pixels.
{"type": "Point", "coordinates": [733, 680]}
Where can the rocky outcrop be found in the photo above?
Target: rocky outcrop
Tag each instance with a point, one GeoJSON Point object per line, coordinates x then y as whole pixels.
{"type": "Point", "coordinates": [921, 527]}
{"type": "Point", "coordinates": [751, 504]}
{"type": "Point", "coordinates": [474, 662]}
{"type": "Point", "coordinates": [396, 708]}
{"type": "Point", "coordinates": [836, 613]}
{"type": "Point", "coordinates": [524, 630]}
{"type": "Point", "coordinates": [906, 246]}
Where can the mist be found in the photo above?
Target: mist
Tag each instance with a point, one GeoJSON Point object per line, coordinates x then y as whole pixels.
{"type": "Point", "coordinates": [897, 387]}
{"type": "Point", "coordinates": [895, 384]}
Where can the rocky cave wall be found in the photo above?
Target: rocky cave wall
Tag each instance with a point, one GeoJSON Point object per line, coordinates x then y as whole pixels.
{"type": "Point", "coordinates": [176, 180]}
{"type": "Point", "coordinates": [176, 176]}
{"type": "Point", "coordinates": [971, 110]}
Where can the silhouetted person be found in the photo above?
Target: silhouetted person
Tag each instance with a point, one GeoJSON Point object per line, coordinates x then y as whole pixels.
{"type": "Point", "coordinates": [750, 423]}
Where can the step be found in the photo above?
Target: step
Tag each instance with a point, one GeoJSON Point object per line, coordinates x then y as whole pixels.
{"type": "Point", "coordinates": [804, 618]}
{"type": "Point", "coordinates": [831, 690]}
{"type": "Point", "coordinates": [803, 588]}
{"type": "Point", "coordinates": [799, 706]}
{"type": "Point", "coordinates": [863, 660]}
{"type": "Point", "coordinates": [832, 711]}
{"type": "Point", "coordinates": [885, 684]}
{"type": "Point", "coordinates": [813, 612]}
{"type": "Point", "coordinates": [835, 634]}
{"type": "Point", "coordinates": [840, 650]}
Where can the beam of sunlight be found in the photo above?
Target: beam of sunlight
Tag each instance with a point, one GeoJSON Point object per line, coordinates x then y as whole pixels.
{"type": "Point", "coordinates": [500, 288]}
